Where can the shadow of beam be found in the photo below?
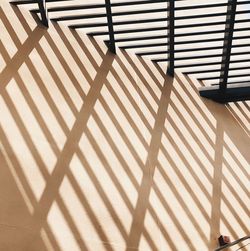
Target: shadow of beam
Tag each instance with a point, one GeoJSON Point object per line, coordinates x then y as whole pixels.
{"type": "Point", "coordinates": [23, 53]}
{"type": "Point", "coordinates": [143, 200]}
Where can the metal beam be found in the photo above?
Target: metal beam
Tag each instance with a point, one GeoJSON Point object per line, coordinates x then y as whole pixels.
{"type": "Point", "coordinates": [227, 48]}
{"type": "Point", "coordinates": [43, 12]}
{"type": "Point", "coordinates": [171, 30]}
{"type": "Point", "coordinates": [139, 12]}
{"type": "Point", "coordinates": [190, 57]}
{"type": "Point", "coordinates": [111, 43]}
{"type": "Point", "coordinates": [233, 93]}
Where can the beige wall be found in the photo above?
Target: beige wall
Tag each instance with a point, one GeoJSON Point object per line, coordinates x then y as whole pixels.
{"type": "Point", "coordinates": [102, 152]}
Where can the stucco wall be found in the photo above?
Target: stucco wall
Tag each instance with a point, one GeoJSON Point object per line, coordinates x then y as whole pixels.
{"type": "Point", "coordinates": [103, 152]}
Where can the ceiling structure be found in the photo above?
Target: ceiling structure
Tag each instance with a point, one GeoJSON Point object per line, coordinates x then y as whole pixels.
{"type": "Point", "coordinates": [209, 40]}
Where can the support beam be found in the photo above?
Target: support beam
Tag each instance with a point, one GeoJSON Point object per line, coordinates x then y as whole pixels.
{"type": "Point", "coordinates": [111, 43]}
{"type": "Point", "coordinates": [227, 47]}
{"type": "Point", "coordinates": [234, 93]}
{"type": "Point", "coordinates": [43, 12]}
{"type": "Point", "coordinates": [171, 31]}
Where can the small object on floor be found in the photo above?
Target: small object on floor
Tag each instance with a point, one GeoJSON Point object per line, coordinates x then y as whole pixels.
{"type": "Point", "coordinates": [224, 240]}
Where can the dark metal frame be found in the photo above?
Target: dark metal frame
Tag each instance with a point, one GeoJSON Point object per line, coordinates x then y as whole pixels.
{"type": "Point", "coordinates": [174, 33]}
{"type": "Point", "coordinates": [43, 12]}
{"type": "Point", "coordinates": [42, 9]}
{"type": "Point", "coordinates": [227, 48]}
{"type": "Point", "coordinates": [171, 37]}
{"type": "Point", "coordinates": [111, 42]}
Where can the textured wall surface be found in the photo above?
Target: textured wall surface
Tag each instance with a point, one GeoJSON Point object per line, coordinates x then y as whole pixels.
{"type": "Point", "coordinates": [103, 152]}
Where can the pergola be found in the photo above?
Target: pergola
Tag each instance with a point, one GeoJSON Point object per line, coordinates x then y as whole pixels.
{"type": "Point", "coordinates": [210, 40]}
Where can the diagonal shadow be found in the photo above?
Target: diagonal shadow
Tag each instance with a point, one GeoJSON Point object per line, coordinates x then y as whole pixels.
{"type": "Point", "coordinates": [25, 189]}
{"type": "Point", "coordinates": [71, 146]}
{"type": "Point", "coordinates": [74, 136]}
{"type": "Point", "coordinates": [226, 125]}
{"type": "Point", "coordinates": [217, 188]}
{"type": "Point", "coordinates": [151, 210]}
{"type": "Point", "coordinates": [131, 147]}
{"type": "Point", "coordinates": [230, 125]}
{"type": "Point", "coordinates": [78, 129]}
{"type": "Point", "coordinates": [23, 52]}
{"type": "Point", "coordinates": [37, 157]}
{"type": "Point", "coordinates": [143, 200]}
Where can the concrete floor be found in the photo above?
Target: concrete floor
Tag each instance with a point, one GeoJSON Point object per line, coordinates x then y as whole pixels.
{"type": "Point", "coordinates": [103, 152]}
